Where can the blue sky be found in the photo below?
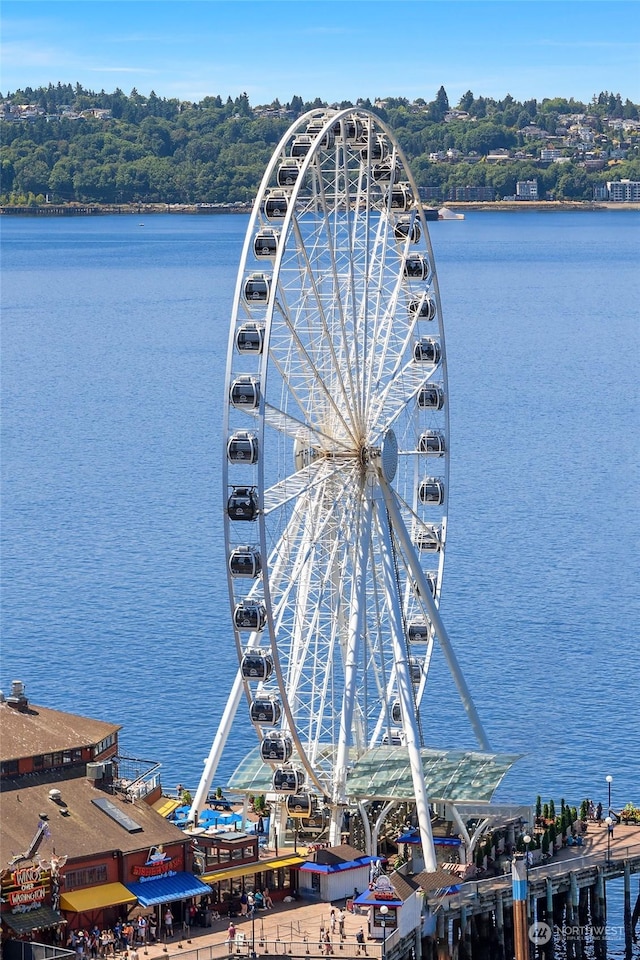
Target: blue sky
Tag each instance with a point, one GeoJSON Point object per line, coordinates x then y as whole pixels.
{"type": "Point", "coordinates": [332, 49]}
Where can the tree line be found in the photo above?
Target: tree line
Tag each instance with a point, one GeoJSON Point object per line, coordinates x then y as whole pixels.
{"type": "Point", "coordinates": [158, 150]}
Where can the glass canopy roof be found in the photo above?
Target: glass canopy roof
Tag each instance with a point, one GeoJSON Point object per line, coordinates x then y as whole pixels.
{"type": "Point", "coordinates": [384, 773]}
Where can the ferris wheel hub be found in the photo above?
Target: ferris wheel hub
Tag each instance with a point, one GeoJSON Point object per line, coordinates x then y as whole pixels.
{"type": "Point", "coordinates": [389, 455]}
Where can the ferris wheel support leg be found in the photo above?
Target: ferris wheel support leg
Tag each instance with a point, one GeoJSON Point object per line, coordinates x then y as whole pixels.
{"type": "Point", "coordinates": [409, 721]}
{"type": "Point", "coordinates": [366, 826]}
{"type": "Point", "coordinates": [434, 616]}
{"type": "Point", "coordinates": [219, 741]}
{"type": "Point", "coordinates": [377, 827]}
{"type": "Point", "coordinates": [355, 633]}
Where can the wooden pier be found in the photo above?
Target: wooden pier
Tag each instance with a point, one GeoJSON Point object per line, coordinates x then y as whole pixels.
{"type": "Point", "coordinates": [565, 894]}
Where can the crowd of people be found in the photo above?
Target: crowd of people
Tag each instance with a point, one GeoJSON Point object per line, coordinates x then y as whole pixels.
{"type": "Point", "coordinates": [123, 937]}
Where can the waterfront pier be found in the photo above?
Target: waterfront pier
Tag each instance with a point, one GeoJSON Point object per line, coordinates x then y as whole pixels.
{"type": "Point", "coordinates": [566, 898]}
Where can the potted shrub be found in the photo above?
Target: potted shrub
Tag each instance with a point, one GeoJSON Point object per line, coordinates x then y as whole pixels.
{"type": "Point", "coordinates": [545, 843]}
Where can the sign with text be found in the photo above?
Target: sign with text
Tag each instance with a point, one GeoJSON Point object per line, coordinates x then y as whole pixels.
{"type": "Point", "coordinates": [26, 888]}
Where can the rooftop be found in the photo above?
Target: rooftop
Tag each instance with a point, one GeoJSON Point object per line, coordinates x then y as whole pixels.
{"type": "Point", "coordinates": [385, 773]}
{"type": "Point", "coordinates": [75, 825]}
{"type": "Point", "coordinates": [36, 730]}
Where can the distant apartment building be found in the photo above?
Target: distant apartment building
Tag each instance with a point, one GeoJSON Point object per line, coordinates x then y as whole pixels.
{"type": "Point", "coordinates": [549, 154]}
{"type": "Point", "coordinates": [533, 132]}
{"type": "Point", "coordinates": [471, 194]}
{"type": "Point", "coordinates": [527, 190]}
{"type": "Point", "coordinates": [500, 155]}
{"type": "Point", "coordinates": [624, 191]}
{"type": "Point", "coordinates": [600, 191]}
{"type": "Point", "coordinates": [430, 193]}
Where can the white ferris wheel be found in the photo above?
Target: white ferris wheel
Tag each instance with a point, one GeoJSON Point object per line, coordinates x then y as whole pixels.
{"type": "Point", "coordinates": [336, 466]}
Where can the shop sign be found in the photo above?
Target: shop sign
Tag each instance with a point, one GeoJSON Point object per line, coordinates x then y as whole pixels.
{"type": "Point", "coordinates": [158, 865]}
{"type": "Point", "coordinates": [27, 889]}
{"type": "Point", "coordinates": [382, 889]}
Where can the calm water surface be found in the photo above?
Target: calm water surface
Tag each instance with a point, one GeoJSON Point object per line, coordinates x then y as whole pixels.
{"type": "Point", "coordinates": [114, 592]}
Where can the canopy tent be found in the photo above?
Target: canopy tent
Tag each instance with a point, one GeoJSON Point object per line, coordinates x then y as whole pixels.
{"type": "Point", "coordinates": [166, 889]}
{"type": "Point", "coordinates": [39, 919]}
{"type": "Point", "coordinates": [384, 773]}
{"type": "Point", "coordinates": [96, 898]}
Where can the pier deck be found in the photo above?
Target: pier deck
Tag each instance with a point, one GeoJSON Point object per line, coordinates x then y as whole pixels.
{"type": "Point", "coordinates": [293, 929]}
{"type": "Point", "coordinates": [584, 862]}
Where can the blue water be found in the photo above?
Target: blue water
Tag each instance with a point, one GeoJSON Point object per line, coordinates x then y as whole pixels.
{"type": "Point", "coordinates": [114, 593]}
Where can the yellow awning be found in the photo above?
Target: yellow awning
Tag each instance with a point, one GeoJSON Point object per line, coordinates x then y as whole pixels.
{"type": "Point", "coordinates": [165, 806]}
{"type": "Point", "coordinates": [95, 898]}
{"type": "Point", "coordinates": [246, 869]}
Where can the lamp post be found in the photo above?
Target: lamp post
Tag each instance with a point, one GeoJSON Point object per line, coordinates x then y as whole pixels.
{"type": "Point", "coordinates": [609, 780]}
{"type": "Point", "coordinates": [609, 824]}
{"type": "Point", "coordinates": [252, 907]}
{"type": "Point", "coordinates": [384, 910]}
{"type": "Point", "coordinates": [527, 840]}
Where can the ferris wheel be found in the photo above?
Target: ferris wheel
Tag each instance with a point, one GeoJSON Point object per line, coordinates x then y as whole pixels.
{"type": "Point", "coordinates": [336, 463]}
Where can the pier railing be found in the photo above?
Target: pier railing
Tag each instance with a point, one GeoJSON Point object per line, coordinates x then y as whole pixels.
{"type": "Point", "coordinates": [481, 892]}
{"type": "Point", "coordinates": [296, 947]}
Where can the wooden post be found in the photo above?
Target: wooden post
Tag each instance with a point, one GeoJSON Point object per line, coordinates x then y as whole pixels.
{"type": "Point", "coordinates": [548, 951]}
{"type": "Point", "coordinates": [500, 924]}
{"type": "Point", "coordinates": [520, 896]}
{"type": "Point", "coordinates": [600, 900]}
{"type": "Point", "coordinates": [569, 923]}
{"type": "Point", "coordinates": [628, 932]}
{"type": "Point", "coordinates": [442, 945]}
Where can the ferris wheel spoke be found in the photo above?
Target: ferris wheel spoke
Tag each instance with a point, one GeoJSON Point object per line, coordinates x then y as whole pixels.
{"type": "Point", "coordinates": [305, 380]}
{"type": "Point", "coordinates": [284, 423]}
{"type": "Point", "coordinates": [297, 484]}
{"type": "Point", "coordinates": [334, 338]}
{"type": "Point", "coordinates": [400, 391]}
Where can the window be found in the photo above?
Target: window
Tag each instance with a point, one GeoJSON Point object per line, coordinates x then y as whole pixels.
{"type": "Point", "coordinates": [85, 878]}
{"type": "Point", "coordinates": [104, 745]}
{"type": "Point", "coordinates": [38, 762]}
{"type": "Point", "coordinates": [8, 767]}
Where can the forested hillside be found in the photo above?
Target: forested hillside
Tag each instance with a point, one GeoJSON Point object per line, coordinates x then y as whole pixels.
{"type": "Point", "coordinates": [67, 144]}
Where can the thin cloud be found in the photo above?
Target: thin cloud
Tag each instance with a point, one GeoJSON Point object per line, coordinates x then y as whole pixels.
{"type": "Point", "coordinates": [142, 70]}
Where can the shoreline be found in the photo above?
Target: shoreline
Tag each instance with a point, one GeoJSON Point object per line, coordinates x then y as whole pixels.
{"type": "Point", "coordinates": [137, 209]}
{"type": "Point", "coordinates": [545, 206]}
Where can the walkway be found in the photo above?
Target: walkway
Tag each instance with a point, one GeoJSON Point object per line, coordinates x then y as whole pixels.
{"type": "Point", "coordinates": [289, 929]}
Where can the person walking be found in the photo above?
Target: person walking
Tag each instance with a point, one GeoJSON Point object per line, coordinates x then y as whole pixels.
{"type": "Point", "coordinates": [341, 919]}
{"type": "Point", "coordinates": [231, 936]}
{"type": "Point", "coordinates": [168, 922]}
{"type": "Point", "coordinates": [361, 942]}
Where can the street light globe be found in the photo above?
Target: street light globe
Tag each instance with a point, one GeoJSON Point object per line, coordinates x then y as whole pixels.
{"type": "Point", "coordinates": [384, 910]}
{"type": "Point", "coordinates": [608, 821]}
{"type": "Point", "coordinates": [527, 839]}
{"type": "Point", "coordinates": [609, 778]}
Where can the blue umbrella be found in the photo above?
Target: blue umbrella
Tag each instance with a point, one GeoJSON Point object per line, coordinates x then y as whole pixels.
{"type": "Point", "coordinates": [209, 817]}
{"type": "Point", "coordinates": [228, 818]}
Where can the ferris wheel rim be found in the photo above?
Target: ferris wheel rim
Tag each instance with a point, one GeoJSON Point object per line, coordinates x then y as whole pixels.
{"type": "Point", "coordinates": [350, 454]}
